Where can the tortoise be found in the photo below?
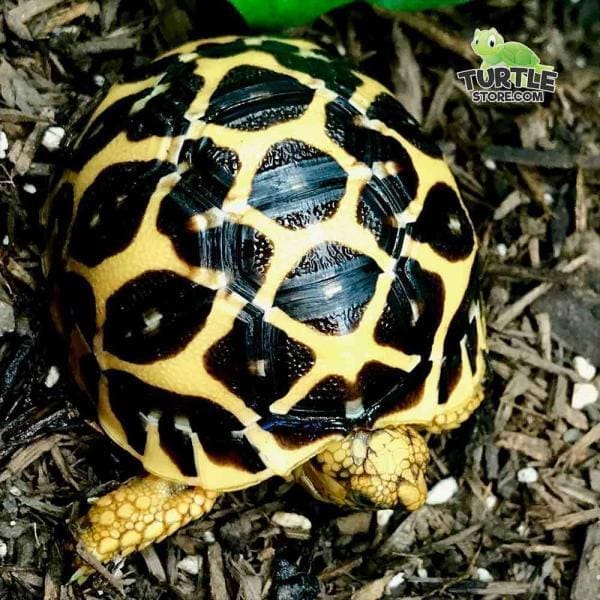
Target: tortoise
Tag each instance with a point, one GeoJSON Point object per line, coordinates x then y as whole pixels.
{"type": "Point", "coordinates": [261, 267]}
{"type": "Point", "coordinates": [490, 46]}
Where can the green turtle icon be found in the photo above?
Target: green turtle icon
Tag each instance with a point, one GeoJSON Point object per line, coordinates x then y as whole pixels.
{"type": "Point", "coordinates": [490, 46]}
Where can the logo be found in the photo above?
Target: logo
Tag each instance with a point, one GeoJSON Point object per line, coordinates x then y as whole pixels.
{"type": "Point", "coordinates": [509, 71]}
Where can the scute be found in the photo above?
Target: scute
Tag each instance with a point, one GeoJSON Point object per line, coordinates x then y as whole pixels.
{"type": "Point", "coordinates": [255, 250]}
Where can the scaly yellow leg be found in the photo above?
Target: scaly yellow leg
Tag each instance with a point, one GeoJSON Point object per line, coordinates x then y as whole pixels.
{"type": "Point", "coordinates": [140, 512]}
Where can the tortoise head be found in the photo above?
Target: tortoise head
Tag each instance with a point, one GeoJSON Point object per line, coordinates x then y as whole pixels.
{"type": "Point", "coordinates": [486, 42]}
{"type": "Point", "coordinates": [380, 468]}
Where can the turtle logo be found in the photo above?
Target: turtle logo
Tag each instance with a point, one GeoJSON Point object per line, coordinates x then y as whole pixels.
{"type": "Point", "coordinates": [509, 71]}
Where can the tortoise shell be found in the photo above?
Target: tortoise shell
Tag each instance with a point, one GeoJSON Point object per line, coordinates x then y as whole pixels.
{"type": "Point", "coordinates": [253, 250]}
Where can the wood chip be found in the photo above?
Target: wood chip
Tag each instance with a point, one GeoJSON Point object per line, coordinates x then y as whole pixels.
{"type": "Point", "coordinates": [440, 98]}
{"type": "Point", "coordinates": [549, 159]}
{"type": "Point", "coordinates": [354, 524]}
{"type": "Point", "coordinates": [17, 17]}
{"type": "Point", "coordinates": [406, 75]}
{"type": "Point", "coordinates": [530, 357]}
{"type": "Point", "coordinates": [28, 454]}
{"type": "Point", "coordinates": [588, 574]}
{"type": "Point", "coordinates": [529, 549]}
{"type": "Point", "coordinates": [218, 588]}
{"type": "Point", "coordinates": [153, 563]}
{"type": "Point", "coordinates": [573, 519]}
{"type": "Point", "coordinates": [579, 450]}
{"type": "Point", "coordinates": [536, 448]}
{"type": "Point", "coordinates": [424, 25]}
{"type": "Point", "coordinates": [68, 15]}
{"type": "Point", "coordinates": [373, 590]}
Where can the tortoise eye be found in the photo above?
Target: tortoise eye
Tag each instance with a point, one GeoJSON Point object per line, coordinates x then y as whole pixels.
{"type": "Point", "coordinates": [491, 42]}
{"type": "Point", "coordinates": [476, 41]}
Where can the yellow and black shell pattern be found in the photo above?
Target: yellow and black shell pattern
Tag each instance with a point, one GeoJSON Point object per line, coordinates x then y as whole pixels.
{"type": "Point", "coordinates": [253, 250]}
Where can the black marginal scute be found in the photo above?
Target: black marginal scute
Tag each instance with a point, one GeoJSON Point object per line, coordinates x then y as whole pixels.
{"type": "Point", "coordinates": [449, 373]}
{"type": "Point", "coordinates": [380, 200]}
{"type": "Point", "coordinates": [251, 98]}
{"type": "Point", "coordinates": [130, 398]}
{"type": "Point", "coordinates": [457, 330]}
{"type": "Point", "coordinates": [389, 111]}
{"type": "Point", "coordinates": [224, 50]}
{"type": "Point", "coordinates": [178, 445]}
{"type": "Point", "coordinates": [256, 361]}
{"type": "Point", "coordinates": [329, 288]}
{"type": "Point", "coordinates": [336, 74]}
{"type": "Point", "coordinates": [413, 310]}
{"type": "Point", "coordinates": [112, 208]}
{"type": "Point", "coordinates": [297, 185]}
{"type": "Point", "coordinates": [407, 393]}
{"type": "Point", "coordinates": [90, 372]}
{"type": "Point", "coordinates": [163, 114]}
{"type": "Point", "coordinates": [376, 380]}
{"type": "Point", "coordinates": [472, 345]}
{"type": "Point", "coordinates": [77, 304]}
{"type": "Point", "coordinates": [369, 145]}
{"type": "Point", "coordinates": [59, 219]}
{"type": "Point", "coordinates": [326, 398]}
{"type": "Point", "coordinates": [297, 431]}
{"type": "Point", "coordinates": [110, 123]}
{"type": "Point", "coordinates": [155, 316]}
{"type": "Point", "coordinates": [151, 69]}
{"type": "Point", "coordinates": [443, 223]}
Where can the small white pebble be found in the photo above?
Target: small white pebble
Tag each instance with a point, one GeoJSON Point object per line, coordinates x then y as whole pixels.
{"type": "Point", "coordinates": [422, 573]}
{"type": "Point", "coordinates": [548, 199]}
{"type": "Point", "coordinates": [190, 564]}
{"type": "Point", "coordinates": [100, 592]}
{"type": "Point", "coordinates": [291, 521]}
{"type": "Point", "coordinates": [584, 394]}
{"type": "Point", "coordinates": [490, 164]}
{"type": "Point", "coordinates": [384, 516]}
{"type": "Point", "coordinates": [527, 475]}
{"type": "Point", "coordinates": [29, 188]}
{"type": "Point", "coordinates": [3, 144]}
{"type": "Point", "coordinates": [5, 240]}
{"type": "Point", "coordinates": [491, 501]}
{"type": "Point", "coordinates": [522, 529]}
{"type": "Point", "coordinates": [14, 491]}
{"type": "Point", "coordinates": [52, 377]}
{"type": "Point", "coordinates": [581, 62]}
{"type": "Point", "coordinates": [3, 549]}
{"type": "Point", "coordinates": [12, 523]}
{"type": "Point", "coordinates": [209, 537]}
{"type": "Point", "coordinates": [502, 250]}
{"type": "Point", "coordinates": [442, 491]}
{"type": "Point", "coordinates": [571, 435]}
{"type": "Point", "coordinates": [395, 582]}
{"type": "Point", "coordinates": [585, 369]}
{"type": "Point", "coordinates": [483, 575]}
{"type": "Point", "coordinates": [52, 138]}
{"type": "Point", "coordinates": [99, 80]}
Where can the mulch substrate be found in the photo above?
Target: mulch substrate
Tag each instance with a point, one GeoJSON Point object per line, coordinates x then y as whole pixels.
{"type": "Point", "coordinates": [524, 522]}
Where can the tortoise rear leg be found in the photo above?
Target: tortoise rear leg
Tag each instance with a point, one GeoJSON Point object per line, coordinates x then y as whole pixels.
{"type": "Point", "coordinates": [380, 468]}
{"type": "Point", "coordinates": [140, 512]}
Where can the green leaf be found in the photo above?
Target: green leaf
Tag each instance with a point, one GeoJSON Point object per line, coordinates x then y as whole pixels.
{"type": "Point", "coordinates": [279, 14]}
{"type": "Point", "coordinates": [411, 5]}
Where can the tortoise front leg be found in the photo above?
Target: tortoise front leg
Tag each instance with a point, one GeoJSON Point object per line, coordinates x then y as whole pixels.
{"type": "Point", "coordinates": [140, 512]}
